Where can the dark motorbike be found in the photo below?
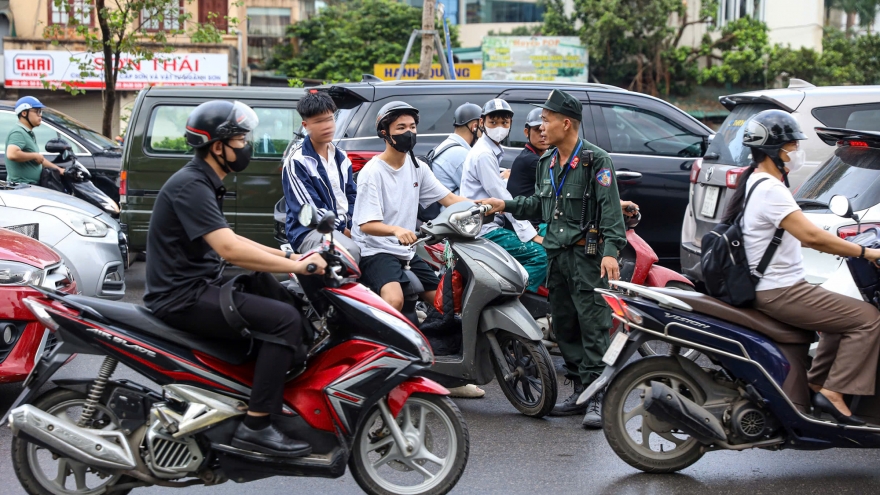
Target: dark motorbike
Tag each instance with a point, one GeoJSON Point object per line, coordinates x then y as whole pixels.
{"type": "Point", "coordinates": [76, 179]}
{"type": "Point", "coordinates": [662, 413]}
{"type": "Point", "coordinates": [360, 400]}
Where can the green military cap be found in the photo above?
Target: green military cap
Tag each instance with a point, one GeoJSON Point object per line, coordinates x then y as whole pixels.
{"type": "Point", "coordinates": [564, 103]}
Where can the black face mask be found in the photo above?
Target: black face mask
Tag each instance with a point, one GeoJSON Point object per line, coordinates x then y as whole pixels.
{"type": "Point", "coordinates": [403, 143]}
{"type": "Point", "coordinates": [242, 158]}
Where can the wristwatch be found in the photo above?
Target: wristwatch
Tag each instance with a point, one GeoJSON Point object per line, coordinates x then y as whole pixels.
{"type": "Point", "coordinates": [288, 254]}
{"type": "Point", "coordinates": [862, 256]}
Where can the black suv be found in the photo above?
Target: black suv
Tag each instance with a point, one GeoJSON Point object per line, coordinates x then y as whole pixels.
{"type": "Point", "coordinates": [653, 144]}
{"type": "Point", "coordinates": [100, 154]}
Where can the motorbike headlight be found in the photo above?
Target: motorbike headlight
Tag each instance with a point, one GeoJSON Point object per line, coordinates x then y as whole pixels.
{"type": "Point", "coordinates": [466, 224]}
{"type": "Point", "coordinates": [506, 285]}
{"type": "Point", "coordinates": [83, 225]}
{"type": "Point", "coordinates": [12, 273]}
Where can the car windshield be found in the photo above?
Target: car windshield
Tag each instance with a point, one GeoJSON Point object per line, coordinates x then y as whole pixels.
{"type": "Point", "coordinates": [852, 171]}
{"type": "Point", "coordinates": [73, 126]}
{"type": "Point", "coordinates": [727, 144]}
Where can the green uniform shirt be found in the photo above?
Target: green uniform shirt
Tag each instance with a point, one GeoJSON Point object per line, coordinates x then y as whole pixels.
{"type": "Point", "coordinates": [23, 172]}
{"type": "Point", "coordinates": [565, 231]}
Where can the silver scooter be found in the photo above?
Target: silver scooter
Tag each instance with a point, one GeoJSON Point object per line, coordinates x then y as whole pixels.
{"type": "Point", "coordinates": [499, 336]}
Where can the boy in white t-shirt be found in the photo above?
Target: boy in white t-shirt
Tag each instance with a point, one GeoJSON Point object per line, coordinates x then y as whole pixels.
{"type": "Point", "coordinates": [391, 187]}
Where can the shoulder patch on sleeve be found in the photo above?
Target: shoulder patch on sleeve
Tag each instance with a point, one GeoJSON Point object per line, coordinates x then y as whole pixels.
{"type": "Point", "coordinates": [604, 177]}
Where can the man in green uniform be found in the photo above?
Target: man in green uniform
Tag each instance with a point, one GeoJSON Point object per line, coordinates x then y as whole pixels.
{"type": "Point", "coordinates": [576, 195]}
{"type": "Point", "coordinates": [24, 162]}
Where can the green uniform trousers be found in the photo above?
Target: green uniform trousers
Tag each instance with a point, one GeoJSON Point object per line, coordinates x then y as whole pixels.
{"type": "Point", "coordinates": [581, 319]}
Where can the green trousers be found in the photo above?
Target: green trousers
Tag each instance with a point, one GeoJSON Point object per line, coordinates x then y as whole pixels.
{"type": "Point", "coordinates": [530, 255]}
{"type": "Point", "coordinates": [581, 319]}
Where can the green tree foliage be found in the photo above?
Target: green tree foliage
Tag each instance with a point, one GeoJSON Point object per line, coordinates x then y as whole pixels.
{"type": "Point", "coordinates": [842, 61]}
{"type": "Point", "coordinates": [345, 39]}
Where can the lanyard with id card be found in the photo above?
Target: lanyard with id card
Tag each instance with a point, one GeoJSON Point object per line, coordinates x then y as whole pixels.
{"type": "Point", "coordinates": [572, 163]}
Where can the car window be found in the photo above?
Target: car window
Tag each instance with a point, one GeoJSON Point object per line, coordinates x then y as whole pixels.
{"type": "Point", "coordinates": [520, 112]}
{"type": "Point", "coordinates": [864, 117]}
{"type": "Point", "coordinates": [73, 126]}
{"type": "Point", "coordinates": [166, 132]}
{"type": "Point", "coordinates": [853, 172]}
{"type": "Point", "coordinates": [633, 130]}
{"type": "Point", "coordinates": [727, 143]}
{"type": "Point", "coordinates": [43, 132]}
{"type": "Point", "coordinates": [7, 121]}
{"type": "Point", "coordinates": [435, 112]}
{"type": "Point", "coordinates": [275, 131]}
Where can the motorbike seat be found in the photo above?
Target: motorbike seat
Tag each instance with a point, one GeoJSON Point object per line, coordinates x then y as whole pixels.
{"type": "Point", "coordinates": [142, 320]}
{"type": "Point", "coordinates": [745, 317]}
{"type": "Point", "coordinates": [414, 287]}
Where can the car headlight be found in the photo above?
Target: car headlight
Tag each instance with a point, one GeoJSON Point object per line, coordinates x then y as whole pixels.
{"type": "Point", "coordinates": [12, 273]}
{"type": "Point", "coordinates": [465, 223]}
{"type": "Point", "coordinates": [506, 285]}
{"type": "Point", "coordinates": [83, 225]}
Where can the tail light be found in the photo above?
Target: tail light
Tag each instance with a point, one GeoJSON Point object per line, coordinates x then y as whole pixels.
{"type": "Point", "coordinates": [853, 230]}
{"type": "Point", "coordinates": [619, 307]}
{"type": "Point", "coordinates": [733, 175]}
{"type": "Point", "coordinates": [360, 158]}
{"type": "Point", "coordinates": [858, 144]}
{"type": "Point", "coordinates": [123, 185]}
{"type": "Point", "coordinates": [695, 170]}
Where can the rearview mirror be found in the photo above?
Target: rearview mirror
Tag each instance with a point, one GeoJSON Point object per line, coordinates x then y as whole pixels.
{"type": "Point", "coordinates": [840, 206]}
{"type": "Point", "coordinates": [57, 145]}
{"type": "Point", "coordinates": [308, 216]}
{"type": "Point", "coordinates": [326, 224]}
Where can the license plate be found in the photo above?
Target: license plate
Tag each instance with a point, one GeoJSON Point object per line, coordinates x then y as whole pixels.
{"type": "Point", "coordinates": [614, 349]}
{"type": "Point", "coordinates": [710, 201]}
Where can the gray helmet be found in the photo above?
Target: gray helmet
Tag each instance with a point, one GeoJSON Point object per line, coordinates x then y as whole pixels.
{"type": "Point", "coordinates": [390, 111]}
{"type": "Point", "coordinates": [467, 113]}
{"type": "Point", "coordinates": [769, 130]}
{"type": "Point", "coordinates": [534, 118]}
{"type": "Point", "coordinates": [496, 105]}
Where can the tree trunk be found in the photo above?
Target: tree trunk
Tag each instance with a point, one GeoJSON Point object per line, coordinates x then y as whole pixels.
{"type": "Point", "coordinates": [427, 56]}
{"type": "Point", "coordinates": [111, 70]}
{"type": "Point", "coordinates": [850, 22]}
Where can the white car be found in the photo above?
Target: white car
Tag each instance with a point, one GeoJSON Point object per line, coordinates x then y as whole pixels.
{"type": "Point", "coordinates": [853, 170]}
{"type": "Point", "coordinates": [89, 240]}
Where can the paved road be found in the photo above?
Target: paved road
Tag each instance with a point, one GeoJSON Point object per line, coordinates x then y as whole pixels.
{"type": "Point", "coordinates": [512, 454]}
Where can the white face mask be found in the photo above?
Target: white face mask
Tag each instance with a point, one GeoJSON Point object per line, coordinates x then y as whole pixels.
{"type": "Point", "coordinates": [497, 134]}
{"type": "Point", "coordinates": [796, 160]}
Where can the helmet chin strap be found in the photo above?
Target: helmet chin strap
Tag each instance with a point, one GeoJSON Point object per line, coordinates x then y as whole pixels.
{"type": "Point", "coordinates": [780, 165]}
{"type": "Point", "coordinates": [217, 158]}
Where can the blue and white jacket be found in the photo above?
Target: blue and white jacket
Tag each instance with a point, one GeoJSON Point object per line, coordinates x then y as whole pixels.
{"type": "Point", "coordinates": [305, 181]}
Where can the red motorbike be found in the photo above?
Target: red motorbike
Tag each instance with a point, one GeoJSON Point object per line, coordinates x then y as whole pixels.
{"type": "Point", "coordinates": [359, 400]}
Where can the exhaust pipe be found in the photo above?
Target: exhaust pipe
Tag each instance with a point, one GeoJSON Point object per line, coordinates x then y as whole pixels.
{"type": "Point", "coordinates": [101, 449]}
{"type": "Point", "coordinates": [670, 406]}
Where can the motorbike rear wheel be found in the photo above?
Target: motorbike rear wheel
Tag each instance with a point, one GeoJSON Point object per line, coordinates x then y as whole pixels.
{"type": "Point", "coordinates": [438, 443]}
{"type": "Point", "coordinates": [532, 386]}
{"type": "Point", "coordinates": [663, 448]}
{"type": "Point", "coordinates": [64, 476]}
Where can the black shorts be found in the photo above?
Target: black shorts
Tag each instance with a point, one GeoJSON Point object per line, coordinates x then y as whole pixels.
{"type": "Point", "coordinates": [381, 269]}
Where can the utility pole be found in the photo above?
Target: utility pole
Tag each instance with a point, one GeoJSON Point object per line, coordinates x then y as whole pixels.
{"type": "Point", "coordinates": [427, 55]}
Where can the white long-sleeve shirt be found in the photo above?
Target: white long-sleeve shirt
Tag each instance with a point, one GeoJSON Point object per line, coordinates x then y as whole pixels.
{"type": "Point", "coordinates": [481, 179]}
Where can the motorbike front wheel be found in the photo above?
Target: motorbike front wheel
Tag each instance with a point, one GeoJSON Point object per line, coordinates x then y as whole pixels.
{"type": "Point", "coordinates": [431, 462]}
{"type": "Point", "coordinates": [526, 376]}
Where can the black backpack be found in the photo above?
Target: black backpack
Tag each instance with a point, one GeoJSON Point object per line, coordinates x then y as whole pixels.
{"type": "Point", "coordinates": [725, 265]}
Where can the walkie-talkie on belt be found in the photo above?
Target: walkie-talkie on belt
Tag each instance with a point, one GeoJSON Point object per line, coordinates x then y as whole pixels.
{"type": "Point", "coordinates": [591, 229]}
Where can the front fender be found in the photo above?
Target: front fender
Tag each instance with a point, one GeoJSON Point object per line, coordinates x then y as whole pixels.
{"type": "Point", "coordinates": [417, 384]}
{"type": "Point", "coordinates": [510, 316]}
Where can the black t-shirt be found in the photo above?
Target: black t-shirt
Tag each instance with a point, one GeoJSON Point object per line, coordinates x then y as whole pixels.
{"type": "Point", "coordinates": [180, 263]}
{"type": "Point", "coordinates": [522, 173]}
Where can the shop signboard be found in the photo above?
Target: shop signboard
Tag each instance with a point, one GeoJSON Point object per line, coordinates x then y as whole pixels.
{"type": "Point", "coordinates": [535, 58]}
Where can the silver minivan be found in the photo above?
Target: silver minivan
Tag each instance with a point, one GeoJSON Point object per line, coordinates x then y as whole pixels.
{"type": "Point", "coordinates": [716, 175]}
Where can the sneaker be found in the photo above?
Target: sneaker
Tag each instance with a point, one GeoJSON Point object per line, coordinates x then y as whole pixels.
{"type": "Point", "coordinates": [593, 418]}
{"type": "Point", "coordinates": [269, 440]}
{"type": "Point", "coordinates": [468, 391]}
{"type": "Point", "coordinates": [569, 406]}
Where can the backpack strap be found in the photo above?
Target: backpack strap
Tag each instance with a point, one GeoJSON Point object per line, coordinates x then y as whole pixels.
{"type": "Point", "coordinates": [774, 242]}
{"type": "Point", "coordinates": [434, 153]}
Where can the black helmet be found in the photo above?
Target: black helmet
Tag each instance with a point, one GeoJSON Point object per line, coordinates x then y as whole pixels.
{"type": "Point", "coordinates": [769, 130]}
{"type": "Point", "coordinates": [467, 113]}
{"type": "Point", "coordinates": [497, 105]}
{"type": "Point", "coordinates": [389, 113]}
{"type": "Point", "coordinates": [534, 118]}
{"type": "Point", "coordinates": [218, 120]}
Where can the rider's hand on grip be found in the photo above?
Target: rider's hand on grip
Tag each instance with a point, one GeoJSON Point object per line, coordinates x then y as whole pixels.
{"type": "Point", "coordinates": [404, 236]}
{"type": "Point", "coordinates": [312, 264]}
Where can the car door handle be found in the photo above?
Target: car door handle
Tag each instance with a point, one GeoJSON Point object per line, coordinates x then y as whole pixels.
{"type": "Point", "coordinates": [628, 175]}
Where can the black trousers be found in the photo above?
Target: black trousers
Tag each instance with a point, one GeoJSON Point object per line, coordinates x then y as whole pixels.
{"type": "Point", "coordinates": [264, 315]}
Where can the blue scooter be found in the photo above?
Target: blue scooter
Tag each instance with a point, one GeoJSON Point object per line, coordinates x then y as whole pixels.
{"type": "Point", "coordinates": [662, 413]}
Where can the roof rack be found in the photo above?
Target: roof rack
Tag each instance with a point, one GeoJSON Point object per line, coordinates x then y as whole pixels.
{"type": "Point", "coordinates": [834, 135]}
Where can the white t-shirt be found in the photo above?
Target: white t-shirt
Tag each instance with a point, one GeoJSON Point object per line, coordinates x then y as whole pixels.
{"type": "Point", "coordinates": [770, 203]}
{"type": "Point", "coordinates": [392, 197]}
{"type": "Point", "coordinates": [333, 174]}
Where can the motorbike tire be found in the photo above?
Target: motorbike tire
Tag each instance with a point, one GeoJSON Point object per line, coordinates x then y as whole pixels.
{"type": "Point", "coordinates": [520, 351]}
{"type": "Point", "coordinates": [20, 449]}
{"type": "Point", "coordinates": [614, 423]}
{"type": "Point", "coordinates": [358, 463]}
